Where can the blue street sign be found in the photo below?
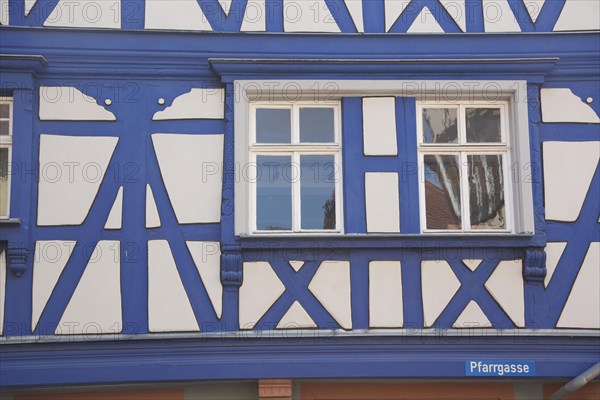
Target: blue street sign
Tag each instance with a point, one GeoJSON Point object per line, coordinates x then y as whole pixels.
{"type": "Point", "coordinates": [499, 368]}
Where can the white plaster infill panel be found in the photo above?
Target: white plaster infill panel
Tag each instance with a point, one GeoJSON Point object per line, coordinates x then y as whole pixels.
{"type": "Point", "coordinates": [50, 260]}
{"type": "Point", "coordinates": [259, 291]}
{"type": "Point", "coordinates": [472, 264]}
{"type": "Point", "coordinates": [86, 14]}
{"type": "Point", "coordinates": [255, 17]}
{"type": "Point", "coordinates": [296, 265]}
{"type": "Point", "coordinates": [582, 309]}
{"type": "Point", "coordinates": [507, 288]}
{"type": "Point", "coordinates": [195, 104]}
{"type": "Point", "coordinates": [2, 287]}
{"type": "Point", "coordinates": [175, 15]}
{"type": "Point", "coordinates": [29, 5]}
{"type": "Point", "coordinates": [4, 20]}
{"type": "Point", "coordinates": [115, 217]}
{"type": "Point", "coordinates": [66, 103]}
{"type": "Point", "coordinates": [554, 251]}
{"type": "Point", "coordinates": [498, 17]}
{"type": "Point", "coordinates": [191, 167]}
{"type": "Point", "coordinates": [379, 126]}
{"type": "Point", "coordinates": [472, 317]}
{"type": "Point", "coordinates": [71, 171]}
{"type": "Point", "coordinates": [207, 257]}
{"type": "Point", "coordinates": [425, 23]}
{"type": "Point", "coordinates": [225, 5]}
{"type": "Point", "coordinates": [308, 16]}
{"type": "Point", "coordinates": [385, 294]}
{"type": "Point", "coordinates": [169, 308]}
{"type": "Point", "coordinates": [331, 286]}
{"type": "Point", "coordinates": [296, 318]}
{"type": "Point", "coordinates": [393, 9]}
{"type": "Point", "coordinates": [534, 7]}
{"type": "Point", "coordinates": [438, 284]}
{"type": "Point", "coordinates": [564, 195]}
{"type": "Point", "coordinates": [356, 12]}
{"type": "Point", "coordinates": [579, 15]}
{"type": "Point", "coordinates": [95, 307]}
{"type": "Point", "coordinates": [152, 216]}
{"type": "Point", "coordinates": [382, 202]}
{"type": "Point", "coordinates": [562, 105]}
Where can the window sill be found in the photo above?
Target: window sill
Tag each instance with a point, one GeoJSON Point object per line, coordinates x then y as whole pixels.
{"type": "Point", "coordinates": [398, 241]}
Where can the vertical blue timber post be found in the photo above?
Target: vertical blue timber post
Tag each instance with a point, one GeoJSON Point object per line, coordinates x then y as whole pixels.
{"type": "Point", "coordinates": [231, 258]}
{"type": "Point", "coordinates": [20, 248]}
{"type": "Point", "coordinates": [534, 259]}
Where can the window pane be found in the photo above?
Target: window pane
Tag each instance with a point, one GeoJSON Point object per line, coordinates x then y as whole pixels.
{"type": "Point", "coordinates": [486, 192]}
{"type": "Point", "coordinates": [4, 110]}
{"type": "Point", "coordinates": [4, 128]}
{"type": "Point", "coordinates": [483, 125]}
{"type": "Point", "coordinates": [273, 125]}
{"type": "Point", "coordinates": [442, 192]}
{"type": "Point", "coordinates": [3, 181]}
{"type": "Point", "coordinates": [274, 193]}
{"type": "Point", "coordinates": [317, 191]}
{"type": "Point", "coordinates": [316, 125]}
{"type": "Point", "coordinates": [440, 125]}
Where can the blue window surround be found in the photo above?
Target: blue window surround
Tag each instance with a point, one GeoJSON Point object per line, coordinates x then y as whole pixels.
{"type": "Point", "coordinates": [246, 356]}
{"type": "Point", "coordinates": [17, 78]}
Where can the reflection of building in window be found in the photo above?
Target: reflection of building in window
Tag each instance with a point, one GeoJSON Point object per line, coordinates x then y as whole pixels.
{"type": "Point", "coordinates": [296, 150]}
{"type": "Point", "coordinates": [5, 154]}
{"type": "Point", "coordinates": [464, 150]}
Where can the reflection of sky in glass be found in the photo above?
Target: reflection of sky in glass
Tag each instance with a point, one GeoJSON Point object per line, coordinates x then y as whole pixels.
{"type": "Point", "coordinates": [316, 125]}
{"type": "Point", "coordinates": [273, 125]}
{"type": "Point", "coordinates": [432, 177]}
{"type": "Point", "coordinates": [273, 193]}
{"type": "Point", "coordinates": [317, 191]}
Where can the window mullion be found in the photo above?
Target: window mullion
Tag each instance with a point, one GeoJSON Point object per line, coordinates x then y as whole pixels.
{"type": "Point", "coordinates": [296, 216]}
{"type": "Point", "coordinates": [462, 125]}
{"type": "Point", "coordinates": [464, 192]}
{"type": "Point", "coordinates": [464, 169]}
{"type": "Point", "coordinates": [296, 222]}
{"type": "Point", "coordinates": [253, 193]}
{"type": "Point", "coordinates": [295, 124]}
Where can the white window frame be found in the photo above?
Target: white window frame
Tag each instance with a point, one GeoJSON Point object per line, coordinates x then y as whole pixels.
{"type": "Point", "coordinates": [295, 149]}
{"type": "Point", "coordinates": [462, 149]}
{"type": "Point", "coordinates": [6, 142]}
{"type": "Point", "coordinates": [514, 92]}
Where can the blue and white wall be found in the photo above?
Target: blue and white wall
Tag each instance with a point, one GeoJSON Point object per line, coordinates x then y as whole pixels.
{"type": "Point", "coordinates": [125, 229]}
{"type": "Point", "coordinates": [123, 173]}
{"type": "Point", "coordinates": [330, 16]}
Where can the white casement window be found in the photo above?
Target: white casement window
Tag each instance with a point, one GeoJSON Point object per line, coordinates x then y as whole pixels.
{"type": "Point", "coordinates": [465, 154]}
{"type": "Point", "coordinates": [6, 110]}
{"type": "Point", "coordinates": [296, 151]}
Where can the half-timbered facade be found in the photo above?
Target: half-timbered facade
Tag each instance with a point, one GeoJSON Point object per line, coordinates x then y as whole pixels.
{"type": "Point", "coordinates": [299, 190]}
